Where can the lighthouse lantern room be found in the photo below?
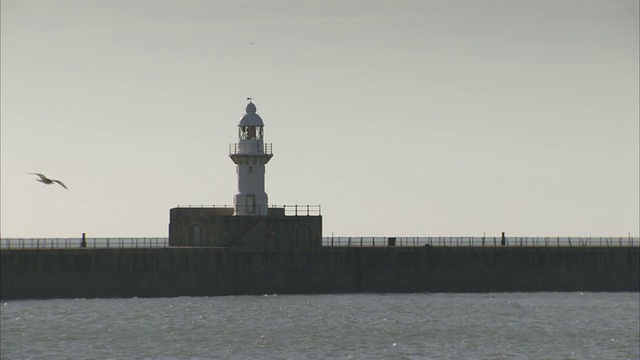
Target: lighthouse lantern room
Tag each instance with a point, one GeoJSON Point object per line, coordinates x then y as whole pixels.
{"type": "Point", "coordinates": [250, 154]}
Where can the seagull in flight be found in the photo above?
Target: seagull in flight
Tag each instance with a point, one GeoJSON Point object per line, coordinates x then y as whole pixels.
{"type": "Point", "coordinates": [45, 180]}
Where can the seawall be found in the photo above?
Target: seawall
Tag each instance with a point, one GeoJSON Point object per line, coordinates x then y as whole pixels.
{"type": "Point", "coordinates": [191, 271]}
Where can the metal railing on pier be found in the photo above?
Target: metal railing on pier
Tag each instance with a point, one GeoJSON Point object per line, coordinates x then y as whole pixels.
{"type": "Point", "coordinates": [479, 241]}
{"type": "Point", "coordinates": [93, 243]}
{"type": "Point", "coordinates": [300, 210]}
{"type": "Point", "coordinates": [289, 210]}
{"type": "Point", "coordinates": [338, 241]}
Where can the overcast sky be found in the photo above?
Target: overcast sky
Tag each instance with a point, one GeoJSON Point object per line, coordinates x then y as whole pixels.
{"type": "Point", "coordinates": [406, 118]}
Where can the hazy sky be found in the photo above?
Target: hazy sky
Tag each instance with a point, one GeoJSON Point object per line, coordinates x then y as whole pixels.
{"type": "Point", "coordinates": [407, 118]}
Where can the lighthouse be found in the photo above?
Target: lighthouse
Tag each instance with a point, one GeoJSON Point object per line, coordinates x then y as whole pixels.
{"type": "Point", "coordinates": [250, 154]}
{"type": "Point", "coordinates": [250, 222]}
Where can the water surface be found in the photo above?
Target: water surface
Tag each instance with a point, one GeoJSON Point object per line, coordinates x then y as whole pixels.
{"type": "Point", "coordinates": [358, 326]}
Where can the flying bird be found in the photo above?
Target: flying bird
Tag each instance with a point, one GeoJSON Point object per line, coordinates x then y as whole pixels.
{"type": "Point", "coordinates": [45, 180]}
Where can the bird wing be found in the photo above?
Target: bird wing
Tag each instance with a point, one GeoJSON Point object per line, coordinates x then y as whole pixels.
{"type": "Point", "coordinates": [41, 176]}
{"type": "Point", "coordinates": [61, 184]}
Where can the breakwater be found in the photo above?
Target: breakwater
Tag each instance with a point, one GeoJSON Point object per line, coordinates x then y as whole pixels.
{"type": "Point", "coordinates": [199, 271]}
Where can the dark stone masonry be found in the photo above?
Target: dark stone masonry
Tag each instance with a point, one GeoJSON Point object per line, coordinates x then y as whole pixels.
{"type": "Point", "coordinates": [202, 226]}
{"type": "Point", "coordinates": [210, 271]}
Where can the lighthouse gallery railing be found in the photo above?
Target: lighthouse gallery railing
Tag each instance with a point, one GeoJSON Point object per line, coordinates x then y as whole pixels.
{"type": "Point", "coordinates": [250, 148]}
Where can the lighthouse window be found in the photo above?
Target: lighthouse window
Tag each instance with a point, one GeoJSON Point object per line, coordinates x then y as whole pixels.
{"type": "Point", "coordinates": [250, 132]}
{"type": "Point", "coordinates": [250, 169]}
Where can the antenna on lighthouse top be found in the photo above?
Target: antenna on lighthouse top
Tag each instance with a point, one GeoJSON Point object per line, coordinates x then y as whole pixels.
{"type": "Point", "coordinates": [250, 99]}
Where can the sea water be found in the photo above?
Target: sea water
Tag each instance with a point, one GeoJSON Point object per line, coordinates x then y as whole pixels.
{"type": "Point", "coordinates": [354, 326]}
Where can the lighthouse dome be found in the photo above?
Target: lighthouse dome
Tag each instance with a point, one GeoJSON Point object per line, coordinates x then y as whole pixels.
{"type": "Point", "coordinates": [251, 118]}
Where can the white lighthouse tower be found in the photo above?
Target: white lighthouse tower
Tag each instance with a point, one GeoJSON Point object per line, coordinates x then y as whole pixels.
{"type": "Point", "coordinates": [250, 155]}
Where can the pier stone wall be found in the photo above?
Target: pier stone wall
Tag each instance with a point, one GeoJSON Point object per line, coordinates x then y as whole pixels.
{"type": "Point", "coordinates": [206, 271]}
{"type": "Point", "coordinates": [218, 227]}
